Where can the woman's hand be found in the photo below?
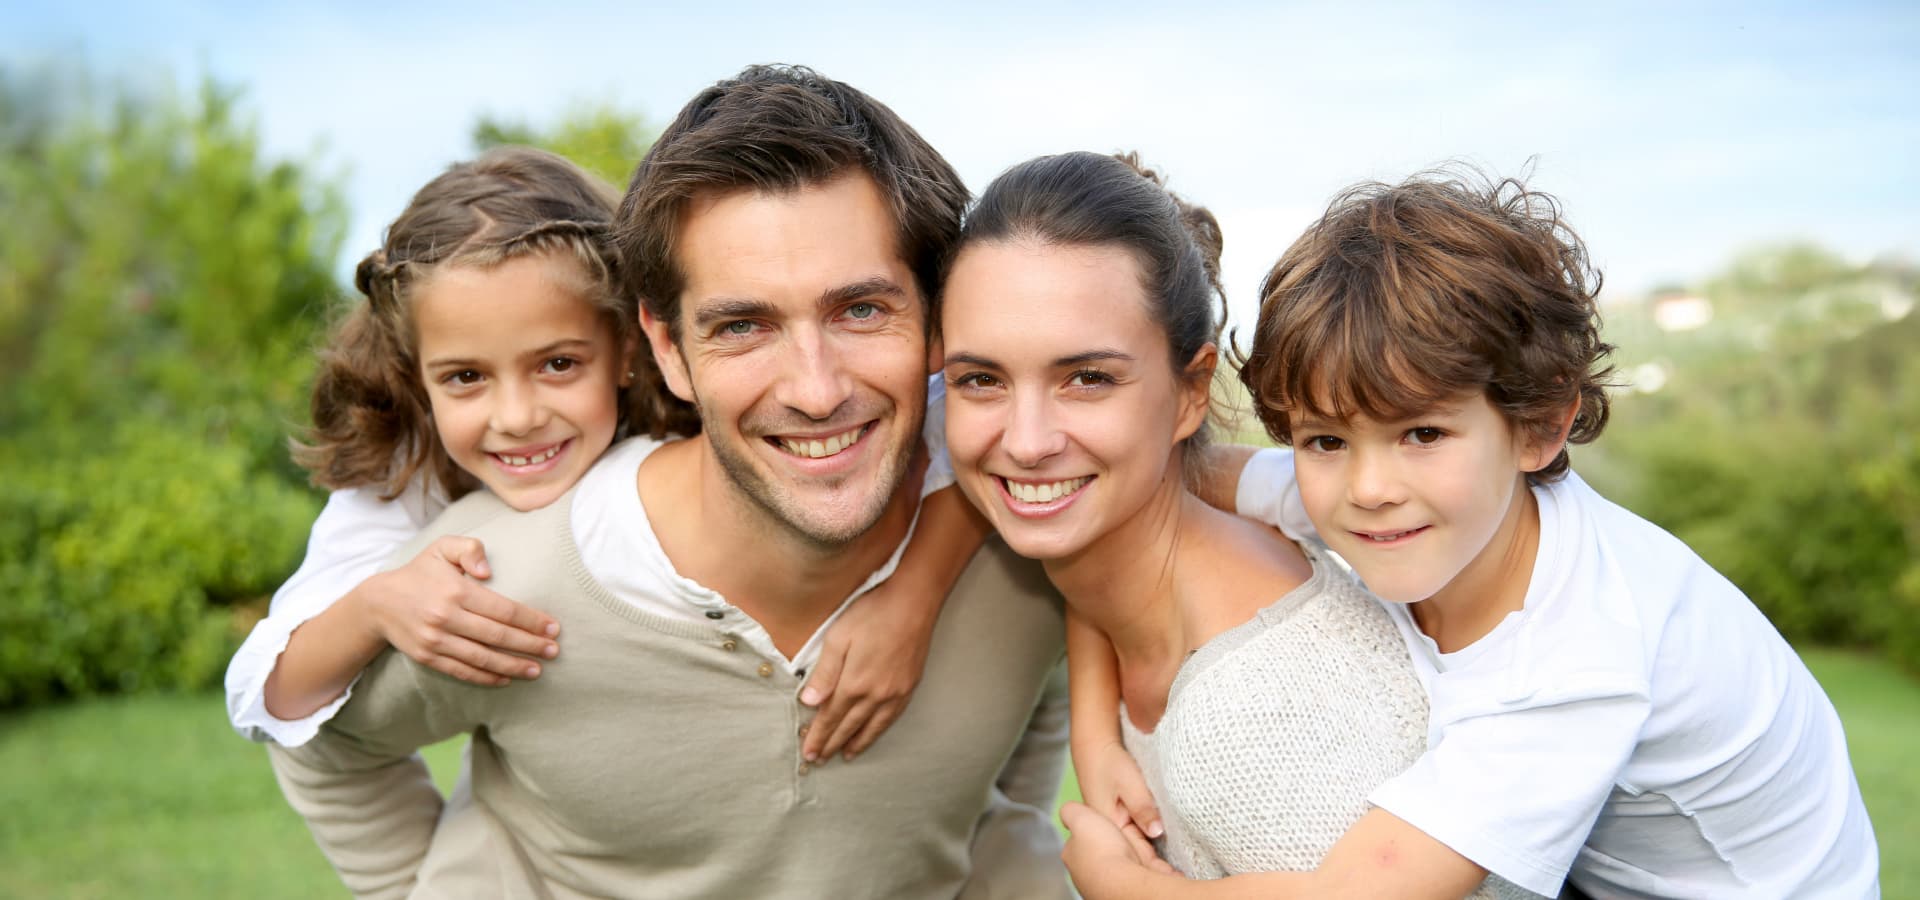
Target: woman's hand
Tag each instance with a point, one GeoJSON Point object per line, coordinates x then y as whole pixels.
{"type": "Point", "coordinates": [1105, 863]}
{"type": "Point", "coordinates": [1111, 783]}
{"type": "Point", "coordinates": [871, 662]}
{"type": "Point", "coordinates": [435, 610]}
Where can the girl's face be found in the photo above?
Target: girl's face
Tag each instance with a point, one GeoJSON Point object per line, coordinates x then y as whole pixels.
{"type": "Point", "coordinates": [1063, 410]}
{"type": "Point", "coordinates": [522, 372]}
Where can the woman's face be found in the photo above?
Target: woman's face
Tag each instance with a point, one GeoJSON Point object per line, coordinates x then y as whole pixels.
{"type": "Point", "coordinates": [1063, 410]}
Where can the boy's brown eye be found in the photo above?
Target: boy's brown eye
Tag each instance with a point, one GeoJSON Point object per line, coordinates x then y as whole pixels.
{"type": "Point", "coordinates": [1424, 435]}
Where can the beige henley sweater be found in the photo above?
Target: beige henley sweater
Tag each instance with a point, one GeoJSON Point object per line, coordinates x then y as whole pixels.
{"type": "Point", "coordinates": [655, 758]}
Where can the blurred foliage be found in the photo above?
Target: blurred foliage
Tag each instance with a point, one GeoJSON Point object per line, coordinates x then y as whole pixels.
{"type": "Point", "coordinates": [161, 283]}
{"type": "Point", "coordinates": [1779, 440]}
{"type": "Point", "coordinates": [600, 137]}
{"type": "Point", "coordinates": [162, 286]}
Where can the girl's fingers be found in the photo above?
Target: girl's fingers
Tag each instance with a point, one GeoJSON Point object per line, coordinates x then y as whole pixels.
{"type": "Point", "coordinates": [457, 669]}
{"type": "Point", "coordinates": [488, 660]}
{"type": "Point", "coordinates": [477, 599]}
{"type": "Point", "coordinates": [856, 717]}
{"type": "Point", "coordinates": [500, 636]}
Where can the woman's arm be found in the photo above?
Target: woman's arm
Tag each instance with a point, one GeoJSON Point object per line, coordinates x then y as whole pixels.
{"type": "Point", "coordinates": [874, 654]}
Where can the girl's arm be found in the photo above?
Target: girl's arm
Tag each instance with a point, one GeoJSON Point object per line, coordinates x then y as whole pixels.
{"type": "Point", "coordinates": [1110, 780]}
{"type": "Point", "coordinates": [874, 654]}
{"type": "Point", "coordinates": [352, 538]}
{"type": "Point", "coordinates": [433, 609]}
{"type": "Point", "coordinates": [1380, 856]}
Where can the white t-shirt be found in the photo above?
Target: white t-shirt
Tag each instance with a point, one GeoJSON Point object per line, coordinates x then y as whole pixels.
{"type": "Point", "coordinates": [357, 533]}
{"type": "Point", "coordinates": [1638, 728]}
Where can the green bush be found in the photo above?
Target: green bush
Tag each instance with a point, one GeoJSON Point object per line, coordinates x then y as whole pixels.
{"type": "Point", "coordinates": [161, 286]}
{"type": "Point", "coordinates": [1782, 446]}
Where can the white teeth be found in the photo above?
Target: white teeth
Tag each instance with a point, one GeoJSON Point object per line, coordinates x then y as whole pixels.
{"type": "Point", "coordinates": [821, 448]}
{"type": "Point", "coordinates": [1383, 538]}
{"type": "Point", "coordinates": [1044, 493]}
{"type": "Point", "coordinates": [540, 457]}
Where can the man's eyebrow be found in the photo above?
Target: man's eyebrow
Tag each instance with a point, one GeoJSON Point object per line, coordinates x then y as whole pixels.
{"type": "Point", "coordinates": [876, 286]}
{"type": "Point", "coordinates": [722, 309]}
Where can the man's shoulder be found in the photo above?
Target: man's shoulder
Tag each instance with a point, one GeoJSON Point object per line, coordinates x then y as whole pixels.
{"type": "Point", "coordinates": [484, 515]}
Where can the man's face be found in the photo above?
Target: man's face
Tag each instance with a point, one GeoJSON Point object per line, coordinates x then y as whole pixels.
{"type": "Point", "coordinates": [803, 344]}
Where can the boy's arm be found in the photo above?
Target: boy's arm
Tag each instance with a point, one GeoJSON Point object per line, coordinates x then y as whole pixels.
{"type": "Point", "coordinates": [433, 609]}
{"type": "Point", "coordinates": [1257, 483]}
{"type": "Point", "coordinates": [874, 653]}
{"type": "Point", "coordinates": [1218, 481]}
{"type": "Point", "coordinates": [1381, 856]}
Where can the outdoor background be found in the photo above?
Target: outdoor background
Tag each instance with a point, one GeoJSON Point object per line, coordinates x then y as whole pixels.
{"type": "Point", "coordinates": [185, 187]}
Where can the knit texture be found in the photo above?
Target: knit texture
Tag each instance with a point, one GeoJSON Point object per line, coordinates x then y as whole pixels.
{"type": "Point", "coordinates": [1276, 730]}
{"type": "Point", "coordinates": [661, 759]}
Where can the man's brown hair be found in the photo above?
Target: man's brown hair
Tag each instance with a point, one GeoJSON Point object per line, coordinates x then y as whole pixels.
{"type": "Point", "coordinates": [776, 129]}
{"type": "Point", "coordinates": [1403, 297]}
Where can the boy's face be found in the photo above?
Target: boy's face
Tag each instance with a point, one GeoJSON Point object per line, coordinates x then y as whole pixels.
{"type": "Point", "coordinates": [1429, 507]}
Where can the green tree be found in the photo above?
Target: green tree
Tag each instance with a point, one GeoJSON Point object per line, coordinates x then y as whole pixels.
{"type": "Point", "coordinates": [161, 285]}
{"type": "Point", "coordinates": [600, 137]}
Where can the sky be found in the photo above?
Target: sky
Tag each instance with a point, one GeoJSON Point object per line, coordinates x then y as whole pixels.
{"type": "Point", "coordinates": [1674, 137]}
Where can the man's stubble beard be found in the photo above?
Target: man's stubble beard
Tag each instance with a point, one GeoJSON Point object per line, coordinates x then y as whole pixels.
{"type": "Point", "coordinates": [787, 513]}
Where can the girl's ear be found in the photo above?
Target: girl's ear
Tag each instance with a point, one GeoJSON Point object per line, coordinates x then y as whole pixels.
{"type": "Point", "coordinates": [1196, 391]}
{"type": "Point", "coordinates": [666, 355]}
{"type": "Point", "coordinates": [1535, 453]}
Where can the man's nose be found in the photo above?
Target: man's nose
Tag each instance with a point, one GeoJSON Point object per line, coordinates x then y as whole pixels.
{"type": "Point", "coordinates": [815, 382]}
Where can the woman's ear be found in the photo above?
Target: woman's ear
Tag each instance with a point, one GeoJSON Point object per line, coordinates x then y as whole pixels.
{"type": "Point", "coordinates": [1196, 391]}
{"type": "Point", "coordinates": [1536, 453]}
{"type": "Point", "coordinates": [666, 355]}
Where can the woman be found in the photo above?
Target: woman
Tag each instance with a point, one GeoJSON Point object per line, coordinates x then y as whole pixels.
{"type": "Point", "coordinates": [1263, 692]}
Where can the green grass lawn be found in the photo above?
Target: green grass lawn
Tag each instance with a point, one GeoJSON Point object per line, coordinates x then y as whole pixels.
{"type": "Point", "coordinates": [153, 796]}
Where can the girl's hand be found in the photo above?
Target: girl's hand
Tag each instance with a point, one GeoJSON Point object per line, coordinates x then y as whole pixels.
{"type": "Point", "coordinates": [435, 610]}
{"type": "Point", "coordinates": [1111, 783]}
{"type": "Point", "coordinates": [868, 668]}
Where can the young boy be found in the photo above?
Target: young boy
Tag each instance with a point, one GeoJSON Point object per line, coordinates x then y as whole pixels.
{"type": "Point", "coordinates": [1607, 711]}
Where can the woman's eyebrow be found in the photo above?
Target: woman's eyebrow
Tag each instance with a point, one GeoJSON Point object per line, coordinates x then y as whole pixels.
{"type": "Point", "coordinates": [1087, 356]}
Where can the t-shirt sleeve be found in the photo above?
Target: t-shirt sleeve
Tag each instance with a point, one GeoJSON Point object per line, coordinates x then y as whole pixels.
{"type": "Point", "coordinates": [1515, 785]}
{"type": "Point", "coordinates": [1269, 493]}
{"type": "Point", "coordinates": [934, 432]}
{"type": "Point", "coordinates": [351, 540]}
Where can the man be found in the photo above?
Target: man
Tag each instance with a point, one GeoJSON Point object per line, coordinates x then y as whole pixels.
{"type": "Point", "coordinates": [787, 236]}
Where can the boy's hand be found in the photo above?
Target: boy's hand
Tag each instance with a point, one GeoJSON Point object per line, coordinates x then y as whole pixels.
{"type": "Point", "coordinates": [1101, 857]}
{"type": "Point", "coordinates": [868, 668]}
{"type": "Point", "coordinates": [435, 610]}
{"type": "Point", "coordinates": [1111, 783]}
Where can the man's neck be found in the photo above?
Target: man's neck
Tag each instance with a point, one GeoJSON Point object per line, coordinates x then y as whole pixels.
{"type": "Point", "coordinates": [719, 538]}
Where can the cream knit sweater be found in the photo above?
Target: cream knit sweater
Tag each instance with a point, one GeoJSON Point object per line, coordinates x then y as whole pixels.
{"type": "Point", "coordinates": [1276, 730]}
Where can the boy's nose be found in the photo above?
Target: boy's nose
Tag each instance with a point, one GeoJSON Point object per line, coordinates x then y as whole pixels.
{"type": "Point", "coordinates": [1374, 481]}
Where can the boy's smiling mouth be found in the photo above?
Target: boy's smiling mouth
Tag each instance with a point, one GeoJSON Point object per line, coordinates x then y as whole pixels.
{"type": "Point", "coordinates": [1388, 537]}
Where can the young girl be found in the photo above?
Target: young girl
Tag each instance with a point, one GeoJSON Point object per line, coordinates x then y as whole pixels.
{"type": "Point", "coordinates": [1606, 710]}
{"type": "Point", "coordinates": [495, 352]}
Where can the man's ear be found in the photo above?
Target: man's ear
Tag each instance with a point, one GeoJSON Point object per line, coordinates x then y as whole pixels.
{"type": "Point", "coordinates": [1535, 453]}
{"type": "Point", "coordinates": [1196, 391]}
{"type": "Point", "coordinates": [666, 355]}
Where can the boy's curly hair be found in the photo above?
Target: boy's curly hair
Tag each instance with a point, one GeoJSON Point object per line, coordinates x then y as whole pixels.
{"type": "Point", "coordinates": [1404, 297]}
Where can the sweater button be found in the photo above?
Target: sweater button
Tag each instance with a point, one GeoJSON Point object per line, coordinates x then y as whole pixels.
{"type": "Point", "coordinates": [804, 768]}
{"type": "Point", "coordinates": [715, 614]}
{"type": "Point", "coordinates": [766, 670]}
{"type": "Point", "coordinates": [729, 645]}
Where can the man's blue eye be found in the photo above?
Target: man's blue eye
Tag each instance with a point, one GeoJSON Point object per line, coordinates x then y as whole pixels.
{"type": "Point", "coordinates": [741, 327]}
{"type": "Point", "coordinates": [862, 310]}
